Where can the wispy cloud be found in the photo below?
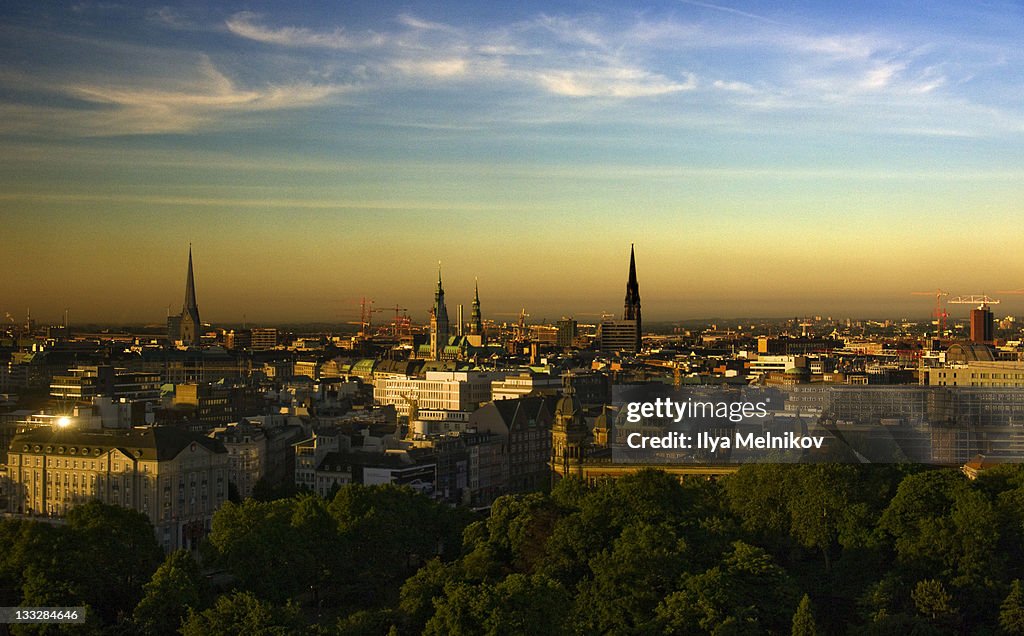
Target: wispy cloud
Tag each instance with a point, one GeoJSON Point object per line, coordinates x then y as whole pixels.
{"type": "Point", "coordinates": [576, 63]}
{"type": "Point", "coordinates": [696, 70]}
{"type": "Point", "coordinates": [444, 68]}
{"type": "Point", "coordinates": [881, 75]}
{"type": "Point", "coordinates": [200, 96]}
{"type": "Point", "coordinates": [786, 66]}
{"type": "Point", "coordinates": [414, 22]}
{"type": "Point", "coordinates": [725, 9]}
{"type": "Point", "coordinates": [611, 82]}
{"type": "Point", "coordinates": [245, 25]}
{"type": "Point", "coordinates": [736, 87]}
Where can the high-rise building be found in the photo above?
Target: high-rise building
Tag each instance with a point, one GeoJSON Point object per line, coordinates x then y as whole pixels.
{"type": "Point", "coordinates": [263, 338]}
{"type": "Point", "coordinates": [619, 336]}
{"type": "Point", "coordinates": [439, 330]}
{"type": "Point", "coordinates": [632, 305]}
{"type": "Point", "coordinates": [982, 324]}
{"type": "Point", "coordinates": [174, 328]}
{"type": "Point", "coordinates": [566, 332]}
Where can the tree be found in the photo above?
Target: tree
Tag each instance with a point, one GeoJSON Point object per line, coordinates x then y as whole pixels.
{"type": "Point", "coordinates": [243, 613]}
{"type": "Point", "coordinates": [460, 611]}
{"type": "Point", "coordinates": [803, 619]}
{"type": "Point", "coordinates": [759, 495]}
{"type": "Point", "coordinates": [254, 541]}
{"type": "Point", "coordinates": [942, 526]}
{"type": "Point", "coordinates": [641, 568]}
{"type": "Point", "coordinates": [114, 553]}
{"type": "Point", "coordinates": [316, 548]}
{"type": "Point", "coordinates": [391, 530]}
{"type": "Point", "coordinates": [176, 587]}
{"type": "Point", "coordinates": [519, 527]}
{"type": "Point", "coordinates": [366, 623]}
{"type": "Point", "coordinates": [527, 605]}
{"type": "Point", "coordinates": [931, 599]}
{"type": "Point", "coordinates": [1011, 610]}
{"type": "Point", "coordinates": [419, 591]}
{"type": "Point", "coordinates": [746, 593]}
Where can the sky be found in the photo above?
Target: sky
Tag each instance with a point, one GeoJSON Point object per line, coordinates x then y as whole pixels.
{"type": "Point", "coordinates": [766, 159]}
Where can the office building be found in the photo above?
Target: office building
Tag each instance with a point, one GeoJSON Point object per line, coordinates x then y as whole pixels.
{"type": "Point", "coordinates": [982, 325]}
{"type": "Point", "coordinates": [175, 478]}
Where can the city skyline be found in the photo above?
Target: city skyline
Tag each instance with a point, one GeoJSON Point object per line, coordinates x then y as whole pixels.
{"type": "Point", "coordinates": [766, 161]}
{"type": "Point", "coordinates": [368, 304]}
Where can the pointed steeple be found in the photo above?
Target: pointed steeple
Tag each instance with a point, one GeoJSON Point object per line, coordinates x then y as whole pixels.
{"type": "Point", "coordinates": [440, 310]}
{"type": "Point", "coordinates": [191, 327]}
{"type": "Point", "coordinates": [568, 410]}
{"type": "Point", "coordinates": [439, 327]}
{"type": "Point", "coordinates": [190, 305]}
{"type": "Point", "coordinates": [632, 267]}
{"type": "Point", "coordinates": [476, 323]}
{"type": "Point", "coordinates": [632, 305]}
{"type": "Point", "coordinates": [632, 308]}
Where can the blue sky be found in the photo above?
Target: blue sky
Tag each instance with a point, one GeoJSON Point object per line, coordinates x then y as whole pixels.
{"type": "Point", "coordinates": [767, 159]}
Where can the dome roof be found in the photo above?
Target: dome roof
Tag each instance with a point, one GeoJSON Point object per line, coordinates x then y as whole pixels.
{"type": "Point", "coordinates": [568, 406]}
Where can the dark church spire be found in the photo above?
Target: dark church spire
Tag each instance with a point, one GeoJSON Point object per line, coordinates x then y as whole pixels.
{"type": "Point", "coordinates": [632, 311]}
{"type": "Point", "coordinates": [190, 305]}
{"type": "Point", "coordinates": [191, 328]}
{"type": "Point", "coordinates": [438, 321]}
{"type": "Point", "coordinates": [632, 306]}
{"type": "Point", "coordinates": [440, 309]}
{"type": "Point", "coordinates": [476, 325]}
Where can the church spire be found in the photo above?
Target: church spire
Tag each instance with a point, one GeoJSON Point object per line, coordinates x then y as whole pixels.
{"type": "Point", "coordinates": [632, 268]}
{"type": "Point", "coordinates": [632, 309]}
{"type": "Point", "coordinates": [190, 305]}
{"type": "Point", "coordinates": [440, 310]}
{"type": "Point", "coordinates": [632, 305]}
{"type": "Point", "coordinates": [439, 327]}
{"type": "Point", "coordinates": [191, 327]}
{"type": "Point", "coordinates": [476, 323]}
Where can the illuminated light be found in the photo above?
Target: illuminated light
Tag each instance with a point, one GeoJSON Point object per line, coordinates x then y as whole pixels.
{"type": "Point", "coordinates": [64, 422]}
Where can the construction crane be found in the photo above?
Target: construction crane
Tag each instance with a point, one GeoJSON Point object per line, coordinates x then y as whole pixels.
{"type": "Point", "coordinates": [519, 326]}
{"type": "Point", "coordinates": [803, 324]}
{"type": "Point", "coordinates": [398, 321]}
{"type": "Point", "coordinates": [981, 300]}
{"type": "Point", "coordinates": [939, 313]}
{"type": "Point", "coordinates": [522, 324]}
{"type": "Point", "coordinates": [365, 317]}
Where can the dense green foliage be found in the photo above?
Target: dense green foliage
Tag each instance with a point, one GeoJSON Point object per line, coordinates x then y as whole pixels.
{"type": "Point", "coordinates": [99, 559]}
{"type": "Point", "coordinates": [177, 586]}
{"type": "Point", "coordinates": [773, 549]}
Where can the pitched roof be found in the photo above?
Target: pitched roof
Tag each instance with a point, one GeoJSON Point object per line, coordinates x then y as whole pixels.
{"type": "Point", "coordinates": [162, 443]}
